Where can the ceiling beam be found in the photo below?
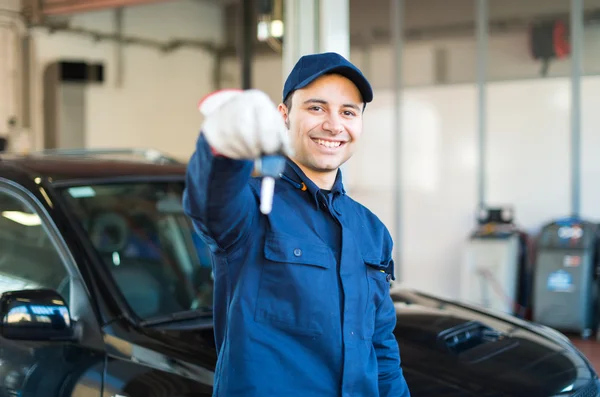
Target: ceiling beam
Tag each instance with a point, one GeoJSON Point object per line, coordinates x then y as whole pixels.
{"type": "Point", "coordinates": [60, 7]}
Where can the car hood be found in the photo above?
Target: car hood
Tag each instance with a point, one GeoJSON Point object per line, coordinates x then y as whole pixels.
{"type": "Point", "coordinates": [450, 349]}
{"type": "Point", "coordinates": [447, 349]}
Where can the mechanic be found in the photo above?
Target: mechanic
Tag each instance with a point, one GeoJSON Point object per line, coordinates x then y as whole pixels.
{"type": "Point", "coordinates": [301, 302]}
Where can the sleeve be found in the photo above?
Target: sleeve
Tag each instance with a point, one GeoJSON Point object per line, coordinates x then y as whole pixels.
{"type": "Point", "coordinates": [391, 377]}
{"type": "Point", "coordinates": [218, 197]}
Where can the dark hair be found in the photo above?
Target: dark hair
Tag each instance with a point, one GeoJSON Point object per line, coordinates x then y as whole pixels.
{"type": "Point", "coordinates": [288, 101]}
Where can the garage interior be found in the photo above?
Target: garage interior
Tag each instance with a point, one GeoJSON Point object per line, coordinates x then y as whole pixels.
{"type": "Point", "coordinates": [480, 147]}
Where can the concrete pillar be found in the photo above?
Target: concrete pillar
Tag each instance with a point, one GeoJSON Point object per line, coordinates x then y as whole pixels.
{"type": "Point", "coordinates": [313, 26]}
{"type": "Point", "coordinates": [577, 30]}
{"type": "Point", "coordinates": [334, 27]}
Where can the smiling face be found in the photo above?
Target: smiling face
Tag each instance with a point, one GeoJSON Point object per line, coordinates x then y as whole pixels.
{"type": "Point", "coordinates": [325, 123]}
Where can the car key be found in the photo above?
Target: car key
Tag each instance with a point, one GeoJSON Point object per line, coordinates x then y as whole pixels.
{"type": "Point", "coordinates": [270, 167]}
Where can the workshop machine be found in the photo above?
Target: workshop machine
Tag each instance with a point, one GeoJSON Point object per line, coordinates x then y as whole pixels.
{"type": "Point", "coordinates": [495, 274]}
{"type": "Point", "coordinates": [566, 276]}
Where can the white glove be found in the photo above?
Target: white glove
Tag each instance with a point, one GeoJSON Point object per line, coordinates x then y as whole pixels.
{"type": "Point", "coordinates": [243, 124]}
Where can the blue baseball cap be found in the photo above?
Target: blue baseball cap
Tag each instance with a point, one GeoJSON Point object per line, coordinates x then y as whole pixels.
{"type": "Point", "coordinates": [310, 67]}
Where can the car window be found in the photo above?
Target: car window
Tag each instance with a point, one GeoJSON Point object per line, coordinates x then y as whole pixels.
{"type": "Point", "coordinates": [148, 244]}
{"type": "Point", "coordinates": [28, 257]}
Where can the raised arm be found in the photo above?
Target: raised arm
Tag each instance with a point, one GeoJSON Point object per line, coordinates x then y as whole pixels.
{"type": "Point", "coordinates": [239, 127]}
{"type": "Point", "coordinates": [218, 197]}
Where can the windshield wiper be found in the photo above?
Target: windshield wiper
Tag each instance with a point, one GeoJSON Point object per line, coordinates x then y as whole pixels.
{"type": "Point", "coordinates": [177, 316]}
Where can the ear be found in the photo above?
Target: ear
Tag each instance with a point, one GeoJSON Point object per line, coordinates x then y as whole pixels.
{"type": "Point", "coordinates": [283, 110]}
{"type": "Point", "coordinates": [284, 113]}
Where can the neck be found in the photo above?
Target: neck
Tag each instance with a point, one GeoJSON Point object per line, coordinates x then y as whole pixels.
{"type": "Point", "coordinates": [324, 180]}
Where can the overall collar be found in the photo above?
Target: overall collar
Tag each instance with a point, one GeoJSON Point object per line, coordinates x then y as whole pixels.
{"type": "Point", "coordinates": [295, 176]}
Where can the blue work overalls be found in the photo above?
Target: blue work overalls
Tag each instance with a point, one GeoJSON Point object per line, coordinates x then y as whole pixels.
{"type": "Point", "coordinates": [301, 305]}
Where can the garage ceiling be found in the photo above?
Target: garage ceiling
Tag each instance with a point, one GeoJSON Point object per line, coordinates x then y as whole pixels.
{"type": "Point", "coordinates": [370, 19]}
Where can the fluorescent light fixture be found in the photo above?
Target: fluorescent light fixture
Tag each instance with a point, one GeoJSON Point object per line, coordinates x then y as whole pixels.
{"type": "Point", "coordinates": [268, 29]}
{"type": "Point", "coordinates": [262, 30]}
{"type": "Point", "coordinates": [23, 218]}
{"type": "Point", "coordinates": [277, 29]}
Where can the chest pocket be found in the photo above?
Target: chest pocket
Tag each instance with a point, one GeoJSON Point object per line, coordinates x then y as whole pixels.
{"type": "Point", "coordinates": [379, 274]}
{"type": "Point", "coordinates": [295, 290]}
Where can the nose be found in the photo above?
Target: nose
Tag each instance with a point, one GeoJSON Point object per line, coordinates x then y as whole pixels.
{"type": "Point", "coordinates": [333, 124]}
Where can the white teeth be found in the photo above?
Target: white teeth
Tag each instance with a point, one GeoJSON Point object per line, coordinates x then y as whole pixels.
{"type": "Point", "coordinates": [328, 144]}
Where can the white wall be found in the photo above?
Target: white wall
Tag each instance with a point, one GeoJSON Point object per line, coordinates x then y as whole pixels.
{"type": "Point", "coordinates": [156, 104]}
{"type": "Point", "coordinates": [528, 166]}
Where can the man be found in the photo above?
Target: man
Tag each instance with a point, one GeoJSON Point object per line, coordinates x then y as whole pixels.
{"type": "Point", "coordinates": [302, 304]}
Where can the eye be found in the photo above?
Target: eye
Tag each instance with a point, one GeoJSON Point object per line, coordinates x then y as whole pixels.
{"type": "Point", "coordinates": [349, 113]}
{"type": "Point", "coordinates": [314, 108]}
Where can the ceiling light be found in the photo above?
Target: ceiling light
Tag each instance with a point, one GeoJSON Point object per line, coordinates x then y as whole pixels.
{"type": "Point", "coordinates": [277, 29]}
{"type": "Point", "coordinates": [268, 29]}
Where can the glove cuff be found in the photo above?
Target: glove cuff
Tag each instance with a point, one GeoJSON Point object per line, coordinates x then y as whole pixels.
{"type": "Point", "coordinates": [215, 153]}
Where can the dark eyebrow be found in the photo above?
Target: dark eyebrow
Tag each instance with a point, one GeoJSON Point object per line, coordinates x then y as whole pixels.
{"type": "Point", "coordinates": [314, 100]}
{"type": "Point", "coordinates": [323, 102]}
{"type": "Point", "coordinates": [353, 106]}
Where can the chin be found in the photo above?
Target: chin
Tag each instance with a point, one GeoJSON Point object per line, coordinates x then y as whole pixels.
{"type": "Point", "coordinates": [326, 166]}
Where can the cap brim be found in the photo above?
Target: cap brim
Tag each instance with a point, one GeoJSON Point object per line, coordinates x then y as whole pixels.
{"type": "Point", "coordinates": [358, 79]}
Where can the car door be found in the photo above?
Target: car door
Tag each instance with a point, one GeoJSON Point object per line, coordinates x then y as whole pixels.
{"type": "Point", "coordinates": [33, 256]}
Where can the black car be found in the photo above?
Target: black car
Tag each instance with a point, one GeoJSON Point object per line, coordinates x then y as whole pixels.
{"type": "Point", "coordinates": [107, 291]}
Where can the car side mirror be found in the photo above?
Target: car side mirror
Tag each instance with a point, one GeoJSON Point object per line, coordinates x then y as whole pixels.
{"type": "Point", "coordinates": [36, 314]}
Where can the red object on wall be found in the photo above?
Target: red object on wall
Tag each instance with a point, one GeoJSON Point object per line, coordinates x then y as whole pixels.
{"type": "Point", "coordinates": [562, 47]}
{"type": "Point", "coordinates": [549, 40]}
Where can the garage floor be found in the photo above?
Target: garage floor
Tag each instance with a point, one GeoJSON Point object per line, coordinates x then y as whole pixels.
{"type": "Point", "coordinates": [591, 349]}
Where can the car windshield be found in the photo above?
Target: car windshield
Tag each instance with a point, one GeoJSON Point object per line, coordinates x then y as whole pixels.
{"type": "Point", "coordinates": [149, 245]}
